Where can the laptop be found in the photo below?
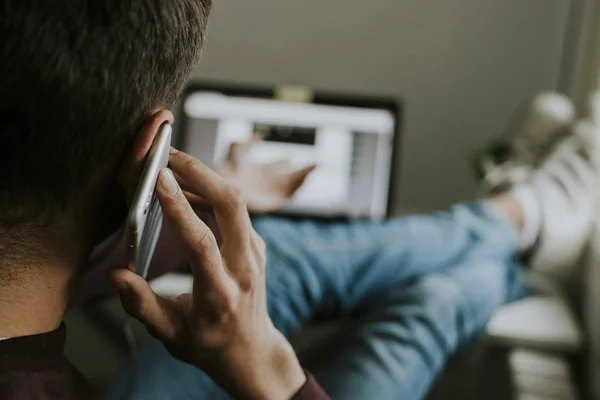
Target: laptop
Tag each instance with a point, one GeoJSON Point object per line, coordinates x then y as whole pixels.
{"type": "Point", "coordinates": [352, 139]}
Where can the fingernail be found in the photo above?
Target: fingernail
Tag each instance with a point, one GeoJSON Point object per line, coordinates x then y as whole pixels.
{"type": "Point", "coordinates": [123, 287]}
{"type": "Point", "coordinates": [173, 150]}
{"type": "Point", "coordinates": [168, 183]}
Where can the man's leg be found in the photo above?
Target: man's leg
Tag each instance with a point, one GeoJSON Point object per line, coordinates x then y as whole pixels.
{"type": "Point", "coordinates": [403, 340]}
{"type": "Point", "coordinates": [326, 271]}
{"type": "Point", "coordinates": [398, 346]}
{"type": "Point", "coordinates": [329, 271]}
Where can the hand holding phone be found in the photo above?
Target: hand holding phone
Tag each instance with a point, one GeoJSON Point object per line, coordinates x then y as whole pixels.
{"type": "Point", "coordinates": [223, 326]}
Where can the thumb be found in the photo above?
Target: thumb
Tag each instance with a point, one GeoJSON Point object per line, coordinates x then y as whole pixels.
{"type": "Point", "coordinates": [297, 178]}
{"type": "Point", "coordinates": [238, 152]}
{"type": "Point", "coordinates": [159, 315]}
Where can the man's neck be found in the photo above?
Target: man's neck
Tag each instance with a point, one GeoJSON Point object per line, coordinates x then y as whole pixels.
{"type": "Point", "coordinates": [35, 300]}
{"type": "Point", "coordinates": [39, 263]}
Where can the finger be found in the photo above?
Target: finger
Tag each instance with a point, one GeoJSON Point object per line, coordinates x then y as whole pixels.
{"type": "Point", "coordinates": [256, 138]}
{"type": "Point", "coordinates": [239, 151]}
{"type": "Point", "coordinates": [297, 178]}
{"type": "Point", "coordinates": [197, 202]}
{"type": "Point", "coordinates": [281, 166]}
{"type": "Point", "coordinates": [260, 250]}
{"type": "Point", "coordinates": [205, 257]}
{"type": "Point", "coordinates": [187, 188]}
{"type": "Point", "coordinates": [229, 205]}
{"type": "Point", "coordinates": [249, 144]}
{"type": "Point", "coordinates": [184, 185]}
{"type": "Point", "coordinates": [234, 153]}
{"type": "Point", "coordinates": [160, 316]}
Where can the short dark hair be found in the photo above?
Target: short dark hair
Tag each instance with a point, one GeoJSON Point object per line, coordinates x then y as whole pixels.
{"type": "Point", "coordinates": [77, 80]}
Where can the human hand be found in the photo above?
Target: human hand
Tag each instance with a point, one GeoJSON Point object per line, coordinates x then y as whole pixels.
{"type": "Point", "coordinates": [222, 327]}
{"type": "Point", "coordinates": [264, 187]}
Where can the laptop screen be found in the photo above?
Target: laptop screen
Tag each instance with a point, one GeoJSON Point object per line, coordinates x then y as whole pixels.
{"type": "Point", "coordinates": [352, 147]}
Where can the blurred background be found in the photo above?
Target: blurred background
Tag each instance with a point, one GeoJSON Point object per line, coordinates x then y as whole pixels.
{"type": "Point", "coordinates": [459, 69]}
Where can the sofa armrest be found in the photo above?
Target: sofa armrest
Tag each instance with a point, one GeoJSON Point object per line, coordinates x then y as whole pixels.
{"type": "Point", "coordinates": [537, 322]}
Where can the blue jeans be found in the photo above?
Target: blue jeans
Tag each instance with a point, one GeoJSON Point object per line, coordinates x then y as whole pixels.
{"type": "Point", "coordinates": [419, 288]}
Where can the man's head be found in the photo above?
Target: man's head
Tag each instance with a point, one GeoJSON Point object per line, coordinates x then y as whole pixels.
{"type": "Point", "coordinates": [78, 80]}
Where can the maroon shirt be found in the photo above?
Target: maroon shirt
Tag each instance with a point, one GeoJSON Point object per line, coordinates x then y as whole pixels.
{"type": "Point", "coordinates": [34, 367]}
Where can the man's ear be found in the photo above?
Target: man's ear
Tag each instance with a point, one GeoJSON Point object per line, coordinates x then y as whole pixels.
{"type": "Point", "coordinates": [133, 163]}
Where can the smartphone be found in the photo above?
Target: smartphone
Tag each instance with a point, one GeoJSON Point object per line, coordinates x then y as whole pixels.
{"type": "Point", "coordinates": [145, 215]}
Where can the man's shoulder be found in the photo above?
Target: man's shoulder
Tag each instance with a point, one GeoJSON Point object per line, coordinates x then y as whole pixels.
{"type": "Point", "coordinates": [35, 367]}
{"type": "Point", "coordinates": [51, 384]}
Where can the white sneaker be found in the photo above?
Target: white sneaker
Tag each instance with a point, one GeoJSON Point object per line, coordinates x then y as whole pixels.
{"type": "Point", "coordinates": [567, 186]}
{"type": "Point", "coordinates": [537, 126]}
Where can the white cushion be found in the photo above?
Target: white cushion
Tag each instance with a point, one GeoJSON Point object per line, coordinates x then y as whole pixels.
{"type": "Point", "coordinates": [539, 322]}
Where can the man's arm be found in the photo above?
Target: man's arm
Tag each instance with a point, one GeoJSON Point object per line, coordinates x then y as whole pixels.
{"type": "Point", "coordinates": [223, 327]}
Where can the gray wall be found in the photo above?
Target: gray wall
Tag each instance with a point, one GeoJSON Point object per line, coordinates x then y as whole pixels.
{"type": "Point", "coordinates": [461, 66]}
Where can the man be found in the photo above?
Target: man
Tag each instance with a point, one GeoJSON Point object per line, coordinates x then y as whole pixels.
{"type": "Point", "coordinates": [420, 288]}
{"type": "Point", "coordinates": [85, 87]}
{"type": "Point", "coordinates": [86, 90]}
